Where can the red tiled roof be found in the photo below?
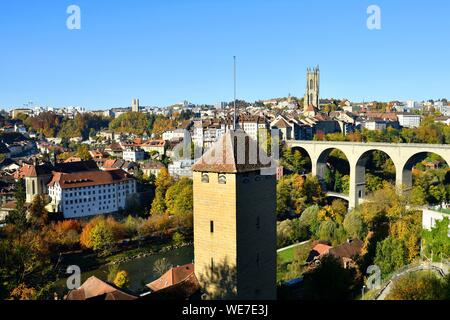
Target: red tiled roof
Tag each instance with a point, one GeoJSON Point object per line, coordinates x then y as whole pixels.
{"type": "Point", "coordinates": [94, 288]}
{"type": "Point", "coordinates": [318, 250]}
{"type": "Point", "coordinates": [88, 178]}
{"type": "Point", "coordinates": [172, 277]}
{"type": "Point", "coordinates": [234, 152]}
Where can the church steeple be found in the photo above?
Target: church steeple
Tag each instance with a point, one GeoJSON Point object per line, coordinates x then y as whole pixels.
{"type": "Point", "coordinates": [312, 94]}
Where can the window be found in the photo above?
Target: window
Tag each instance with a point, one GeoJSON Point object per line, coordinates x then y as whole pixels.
{"type": "Point", "coordinates": [211, 226]}
{"type": "Point", "coordinates": [205, 178]}
{"type": "Point", "coordinates": [212, 264]}
{"type": "Point", "coordinates": [222, 179]}
{"type": "Point", "coordinates": [257, 259]}
{"type": "Point", "coordinates": [258, 223]}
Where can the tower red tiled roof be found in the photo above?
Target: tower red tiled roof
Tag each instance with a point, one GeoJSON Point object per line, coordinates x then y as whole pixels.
{"type": "Point", "coordinates": [234, 152]}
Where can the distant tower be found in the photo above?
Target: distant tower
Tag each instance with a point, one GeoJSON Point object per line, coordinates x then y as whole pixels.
{"type": "Point", "coordinates": [235, 221]}
{"type": "Point", "coordinates": [312, 94]}
{"type": "Point", "coordinates": [135, 105]}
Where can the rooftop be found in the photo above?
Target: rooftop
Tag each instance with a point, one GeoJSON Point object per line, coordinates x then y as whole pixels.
{"type": "Point", "coordinates": [234, 152]}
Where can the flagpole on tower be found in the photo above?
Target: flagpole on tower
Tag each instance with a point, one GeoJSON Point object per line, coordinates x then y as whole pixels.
{"type": "Point", "coordinates": [235, 112]}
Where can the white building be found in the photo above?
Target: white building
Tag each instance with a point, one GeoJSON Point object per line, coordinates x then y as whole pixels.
{"type": "Point", "coordinates": [89, 193]}
{"type": "Point", "coordinates": [133, 154]}
{"type": "Point", "coordinates": [374, 125]}
{"type": "Point", "coordinates": [175, 134]}
{"type": "Point", "coordinates": [409, 120]}
{"type": "Point", "coordinates": [181, 168]}
{"type": "Point", "coordinates": [429, 218]}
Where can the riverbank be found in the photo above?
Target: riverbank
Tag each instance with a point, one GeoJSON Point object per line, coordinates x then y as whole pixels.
{"type": "Point", "coordinates": [138, 265]}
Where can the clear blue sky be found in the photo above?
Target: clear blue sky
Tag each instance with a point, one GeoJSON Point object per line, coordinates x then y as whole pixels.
{"type": "Point", "coordinates": [165, 51]}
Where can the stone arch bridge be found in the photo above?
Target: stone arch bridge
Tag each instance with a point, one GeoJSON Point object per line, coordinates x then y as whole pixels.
{"type": "Point", "coordinates": [405, 156]}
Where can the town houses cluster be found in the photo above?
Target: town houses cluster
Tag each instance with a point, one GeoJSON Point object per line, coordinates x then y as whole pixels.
{"type": "Point", "coordinates": [109, 181]}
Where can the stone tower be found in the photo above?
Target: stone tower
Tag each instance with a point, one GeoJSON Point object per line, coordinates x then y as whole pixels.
{"type": "Point", "coordinates": [235, 220]}
{"type": "Point", "coordinates": [312, 94]}
{"type": "Point", "coordinates": [135, 105]}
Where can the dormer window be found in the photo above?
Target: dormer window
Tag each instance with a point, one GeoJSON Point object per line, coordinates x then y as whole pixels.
{"type": "Point", "coordinates": [222, 179]}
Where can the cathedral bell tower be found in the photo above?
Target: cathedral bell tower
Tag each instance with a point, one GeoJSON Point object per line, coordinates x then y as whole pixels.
{"type": "Point", "coordinates": [312, 94]}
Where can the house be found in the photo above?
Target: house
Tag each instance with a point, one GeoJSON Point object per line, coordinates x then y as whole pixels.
{"type": "Point", "coordinates": [181, 168]}
{"type": "Point", "coordinates": [409, 120]}
{"type": "Point", "coordinates": [5, 209]}
{"type": "Point", "coordinates": [96, 289]}
{"type": "Point", "coordinates": [152, 168]}
{"type": "Point", "coordinates": [89, 193]}
{"type": "Point", "coordinates": [133, 154]}
{"type": "Point", "coordinates": [177, 283]}
{"type": "Point", "coordinates": [346, 253]}
{"type": "Point", "coordinates": [318, 251]}
{"type": "Point", "coordinates": [115, 149]}
{"type": "Point", "coordinates": [158, 146]}
{"type": "Point", "coordinates": [284, 128]}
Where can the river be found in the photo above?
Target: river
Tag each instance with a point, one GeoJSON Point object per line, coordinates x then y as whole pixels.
{"type": "Point", "coordinates": [140, 270]}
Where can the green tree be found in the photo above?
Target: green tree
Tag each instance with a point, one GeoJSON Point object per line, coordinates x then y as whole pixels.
{"type": "Point", "coordinates": [354, 225]}
{"type": "Point", "coordinates": [437, 240]}
{"type": "Point", "coordinates": [390, 255]}
{"type": "Point", "coordinates": [102, 237]}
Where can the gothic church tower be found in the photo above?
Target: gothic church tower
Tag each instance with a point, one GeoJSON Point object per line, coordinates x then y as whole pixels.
{"type": "Point", "coordinates": [312, 94]}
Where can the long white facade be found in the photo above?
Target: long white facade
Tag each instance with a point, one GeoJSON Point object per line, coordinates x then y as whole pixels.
{"type": "Point", "coordinates": [79, 202]}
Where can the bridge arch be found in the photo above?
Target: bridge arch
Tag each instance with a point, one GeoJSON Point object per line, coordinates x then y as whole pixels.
{"type": "Point", "coordinates": [407, 168]}
{"type": "Point", "coordinates": [361, 167]}
{"type": "Point", "coordinates": [325, 162]}
{"type": "Point", "coordinates": [307, 160]}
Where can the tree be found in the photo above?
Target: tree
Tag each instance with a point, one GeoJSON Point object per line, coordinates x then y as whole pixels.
{"type": "Point", "coordinates": [163, 182]}
{"type": "Point", "coordinates": [121, 280]}
{"type": "Point", "coordinates": [177, 239]}
{"type": "Point", "coordinates": [329, 280]}
{"type": "Point", "coordinates": [22, 292]}
{"type": "Point", "coordinates": [18, 217]}
{"type": "Point", "coordinates": [309, 218]}
{"type": "Point", "coordinates": [132, 122]}
{"type": "Point", "coordinates": [437, 241]}
{"type": "Point", "coordinates": [83, 152]}
{"type": "Point", "coordinates": [354, 225]}
{"type": "Point", "coordinates": [38, 213]}
{"type": "Point", "coordinates": [419, 286]}
{"type": "Point", "coordinates": [390, 255]}
{"type": "Point", "coordinates": [102, 238]}
{"type": "Point", "coordinates": [161, 266]}
{"type": "Point", "coordinates": [179, 198]}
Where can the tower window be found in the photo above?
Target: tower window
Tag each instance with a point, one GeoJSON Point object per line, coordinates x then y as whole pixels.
{"type": "Point", "coordinates": [212, 264]}
{"type": "Point", "coordinates": [222, 179]}
{"type": "Point", "coordinates": [205, 178]}
{"type": "Point", "coordinates": [257, 259]}
{"type": "Point", "coordinates": [258, 223]}
{"type": "Point", "coordinates": [211, 226]}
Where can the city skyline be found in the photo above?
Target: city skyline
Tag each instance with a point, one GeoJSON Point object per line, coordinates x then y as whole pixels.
{"type": "Point", "coordinates": [124, 51]}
